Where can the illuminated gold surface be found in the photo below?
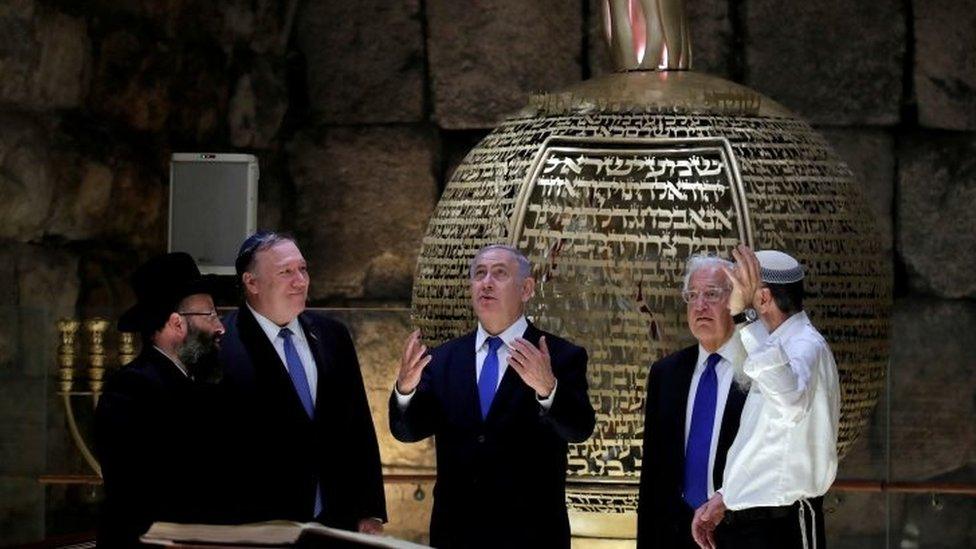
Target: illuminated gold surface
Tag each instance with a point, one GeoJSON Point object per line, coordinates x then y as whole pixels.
{"type": "Point", "coordinates": [96, 328]}
{"type": "Point", "coordinates": [608, 187]}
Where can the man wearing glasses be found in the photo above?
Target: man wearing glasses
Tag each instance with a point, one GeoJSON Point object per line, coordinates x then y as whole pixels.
{"type": "Point", "coordinates": [692, 412]}
{"type": "Point", "coordinates": [306, 447]}
{"type": "Point", "coordinates": [152, 421]}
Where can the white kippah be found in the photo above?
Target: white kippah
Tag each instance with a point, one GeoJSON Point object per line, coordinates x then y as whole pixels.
{"type": "Point", "coordinates": [778, 268]}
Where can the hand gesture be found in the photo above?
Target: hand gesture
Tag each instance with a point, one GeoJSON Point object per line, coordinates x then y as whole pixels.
{"type": "Point", "coordinates": [412, 364]}
{"type": "Point", "coordinates": [370, 526]}
{"type": "Point", "coordinates": [532, 365]}
{"type": "Point", "coordinates": [745, 279]}
{"type": "Point", "coordinates": [706, 520]}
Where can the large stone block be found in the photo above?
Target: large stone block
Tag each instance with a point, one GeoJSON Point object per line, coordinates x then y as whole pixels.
{"type": "Point", "coordinates": [487, 57]}
{"type": "Point", "coordinates": [26, 182]}
{"type": "Point", "coordinates": [46, 57]}
{"type": "Point", "coordinates": [408, 506]}
{"type": "Point", "coordinates": [711, 37]}
{"type": "Point", "coordinates": [871, 156]}
{"type": "Point", "coordinates": [22, 425]}
{"type": "Point", "coordinates": [258, 104]}
{"type": "Point", "coordinates": [151, 83]}
{"type": "Point", "coordinates": [945, 63]}
{"type": "Point", "coordinates": [43, 288]}
{"type": "Point", "coordinates": [21, 510]}
{"type": "Point", "coordinates": [365, 60]}
{"type": "Point", "coordinates": [111, 198]}
{"type": "Point", "coordinates": [936, 227]}
{"type": "Point", "coordinates": [834, 62]}
{"type": "Point", "coordinates": [855, 520]}
{"type": "Point", "coordinates": [933, 388]}
{"type": "Point", "coordinates": [364, 196]}
{"type": "Point", "coordinates": [379, 336]}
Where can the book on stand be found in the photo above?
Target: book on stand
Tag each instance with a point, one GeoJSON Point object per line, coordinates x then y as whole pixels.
{"type": "Point", "coordinates": [266, 534]}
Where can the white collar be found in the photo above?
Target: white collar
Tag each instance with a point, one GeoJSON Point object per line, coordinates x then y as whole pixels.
{"type": "Point", "coordinates": [517, 329]}
{"type": "Point", "coordinates": [731, 351]}
{"type": "Point", "coordinates": [271, 329]}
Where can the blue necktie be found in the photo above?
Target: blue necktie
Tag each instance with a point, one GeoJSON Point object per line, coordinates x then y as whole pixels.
{"type": "Point", "coordinates": [700, 435]}
{"type": "Point", "coordinates": [298, 378]}
{"type": "Point", "coordinates": [297, 372]}
{"type": "Point", "coordinates": [488, 381]}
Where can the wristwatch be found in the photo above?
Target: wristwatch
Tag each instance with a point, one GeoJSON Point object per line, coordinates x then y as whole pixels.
{"type": "Point", "coordinates": [747, 316]}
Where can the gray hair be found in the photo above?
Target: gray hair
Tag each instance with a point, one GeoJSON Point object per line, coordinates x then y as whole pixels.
{"type": "Point", "coordinates": [700, 261]}
{"type": "Point", "coordinates": [524, 265]}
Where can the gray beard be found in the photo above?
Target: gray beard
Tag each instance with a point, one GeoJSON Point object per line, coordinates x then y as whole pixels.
{"type": "Point", "coordinates": [199, 355]}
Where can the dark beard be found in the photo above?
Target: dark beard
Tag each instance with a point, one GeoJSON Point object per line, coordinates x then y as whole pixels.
{"type": "Point", "coordinates": [199, 355]}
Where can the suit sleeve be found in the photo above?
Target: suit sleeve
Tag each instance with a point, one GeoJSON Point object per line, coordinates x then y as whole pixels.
{"type": "Point", "coordinates": [647, 512]}
{"type": "Point", "coordinates": [123, 431]}
{"type": "Point", "coordinates": [417, 420]}
{"type": "Point", "coordinates": [571, 414]}
{"type": "Point", "coordinates": [365, 459]}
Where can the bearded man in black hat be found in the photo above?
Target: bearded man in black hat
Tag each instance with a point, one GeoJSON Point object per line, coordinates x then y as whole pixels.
{"type": "Point", "coordinates": [152, 424]}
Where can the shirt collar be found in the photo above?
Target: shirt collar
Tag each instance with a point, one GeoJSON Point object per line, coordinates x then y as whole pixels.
{"type": "Point", "coordinates": [176, 362]}
{"type": "Point", "coordinates": [271, 329]}
{"type": "Point", "coordinates": [789, 325]}
{"type": "Point", "coordinates": [517, 329]}
{"type": "Point", "coordinates": [731, 351]}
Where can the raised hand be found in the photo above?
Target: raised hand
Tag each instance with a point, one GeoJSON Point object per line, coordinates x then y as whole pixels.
{"type": "Point", "coordinates": [745, 279]}
{"type": "Point", "coordinates": [533, 365]}
{"type": "Point", "coordinates": [412, 364]}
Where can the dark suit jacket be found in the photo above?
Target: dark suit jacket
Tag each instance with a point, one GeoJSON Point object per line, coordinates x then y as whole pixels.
{"type": "Point", "coordinates": [500, 481]}
{"type": "Point", "coordinates": [152, 428]}
{"type": "Point", "coordinates": [663, 517]}
{"type": "Point", "coordinates": [279, 453]}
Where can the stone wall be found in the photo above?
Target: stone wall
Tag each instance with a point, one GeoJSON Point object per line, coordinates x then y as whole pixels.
{"type": "Point", "coordinates": [358, 112]}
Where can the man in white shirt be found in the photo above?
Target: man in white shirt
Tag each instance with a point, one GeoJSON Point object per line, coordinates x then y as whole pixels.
{"type": "Point", "coordinates": [691, 413]}
{"type": "Point", "coordinates": [784, 458]}
{"type": "Point", "coordinates": [502, 402]}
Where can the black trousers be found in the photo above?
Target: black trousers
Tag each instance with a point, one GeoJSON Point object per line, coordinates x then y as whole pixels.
{"type": "Point", "coordinates": [773, 527]}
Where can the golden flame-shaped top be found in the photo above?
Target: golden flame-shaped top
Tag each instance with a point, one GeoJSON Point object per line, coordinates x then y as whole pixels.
{"type": "Point", "coordinates": [647, 34]}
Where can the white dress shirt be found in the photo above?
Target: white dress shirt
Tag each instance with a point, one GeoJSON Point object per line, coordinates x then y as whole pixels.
{"type": "Point", "coordinates": [272, 330]}
{"type": "Point", "coordinates": [731, 352]}
{"type": "Point", "coordinates": [517, 329]}
{"type": "Point", "coordinates": [786, 448]}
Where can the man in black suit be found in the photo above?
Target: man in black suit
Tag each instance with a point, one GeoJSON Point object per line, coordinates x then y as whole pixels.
{"type": "Point", "coordinates": [152, 424]}
{"type": "Point", "coordinates": [692, 412]}
{"type": "Point", "coordinates": [306, 448]}
{"type": "Point", "coordinates": [502, 402]}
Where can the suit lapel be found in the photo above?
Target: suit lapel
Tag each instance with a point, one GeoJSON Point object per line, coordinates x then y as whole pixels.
{"type": "Point", "coordinates": [322, 352]}
{"type": "Point", "coordinates": [266, 361]}
{"type": "Point", "coordinates": [512, 387]}
{"type": "Point", "coordinates": [728, 430]}
{"type": "Point", "coordinates": [682, 385]}
{"type": "Point", "coordinates": [463, 378]}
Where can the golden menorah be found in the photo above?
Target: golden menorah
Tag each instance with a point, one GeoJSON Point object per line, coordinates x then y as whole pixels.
{"type": "Point", "coordinates": [78, 382]}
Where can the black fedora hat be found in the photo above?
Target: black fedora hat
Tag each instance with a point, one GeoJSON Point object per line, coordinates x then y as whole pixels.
{"type": "Point", "coordinates": [160, 284]}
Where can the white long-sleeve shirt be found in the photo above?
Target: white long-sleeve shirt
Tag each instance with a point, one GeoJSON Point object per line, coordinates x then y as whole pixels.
{"type": "Point", "coordinates": [786, 447]}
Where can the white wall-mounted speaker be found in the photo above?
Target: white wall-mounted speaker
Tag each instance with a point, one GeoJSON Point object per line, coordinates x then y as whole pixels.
{"type": "Point", "coordinates": [213, 205]}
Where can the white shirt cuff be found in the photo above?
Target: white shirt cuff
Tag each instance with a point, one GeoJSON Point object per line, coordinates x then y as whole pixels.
{"type": "Point", "coordinates": [753, 335]}
{"type": "Point", "coordinates": [403, 400]}
{"type": "Point", "coordinates": [546, 403]}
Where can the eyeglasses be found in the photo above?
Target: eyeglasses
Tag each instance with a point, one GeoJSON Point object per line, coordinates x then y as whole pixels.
{"type": "Point", "coordinates": [711, 295]}
{"type": "Point", "coordinates": [210, 315]}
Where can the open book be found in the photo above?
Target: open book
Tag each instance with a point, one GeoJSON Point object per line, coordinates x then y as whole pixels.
{"type": "Point", "coordinates": [277, 532]}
